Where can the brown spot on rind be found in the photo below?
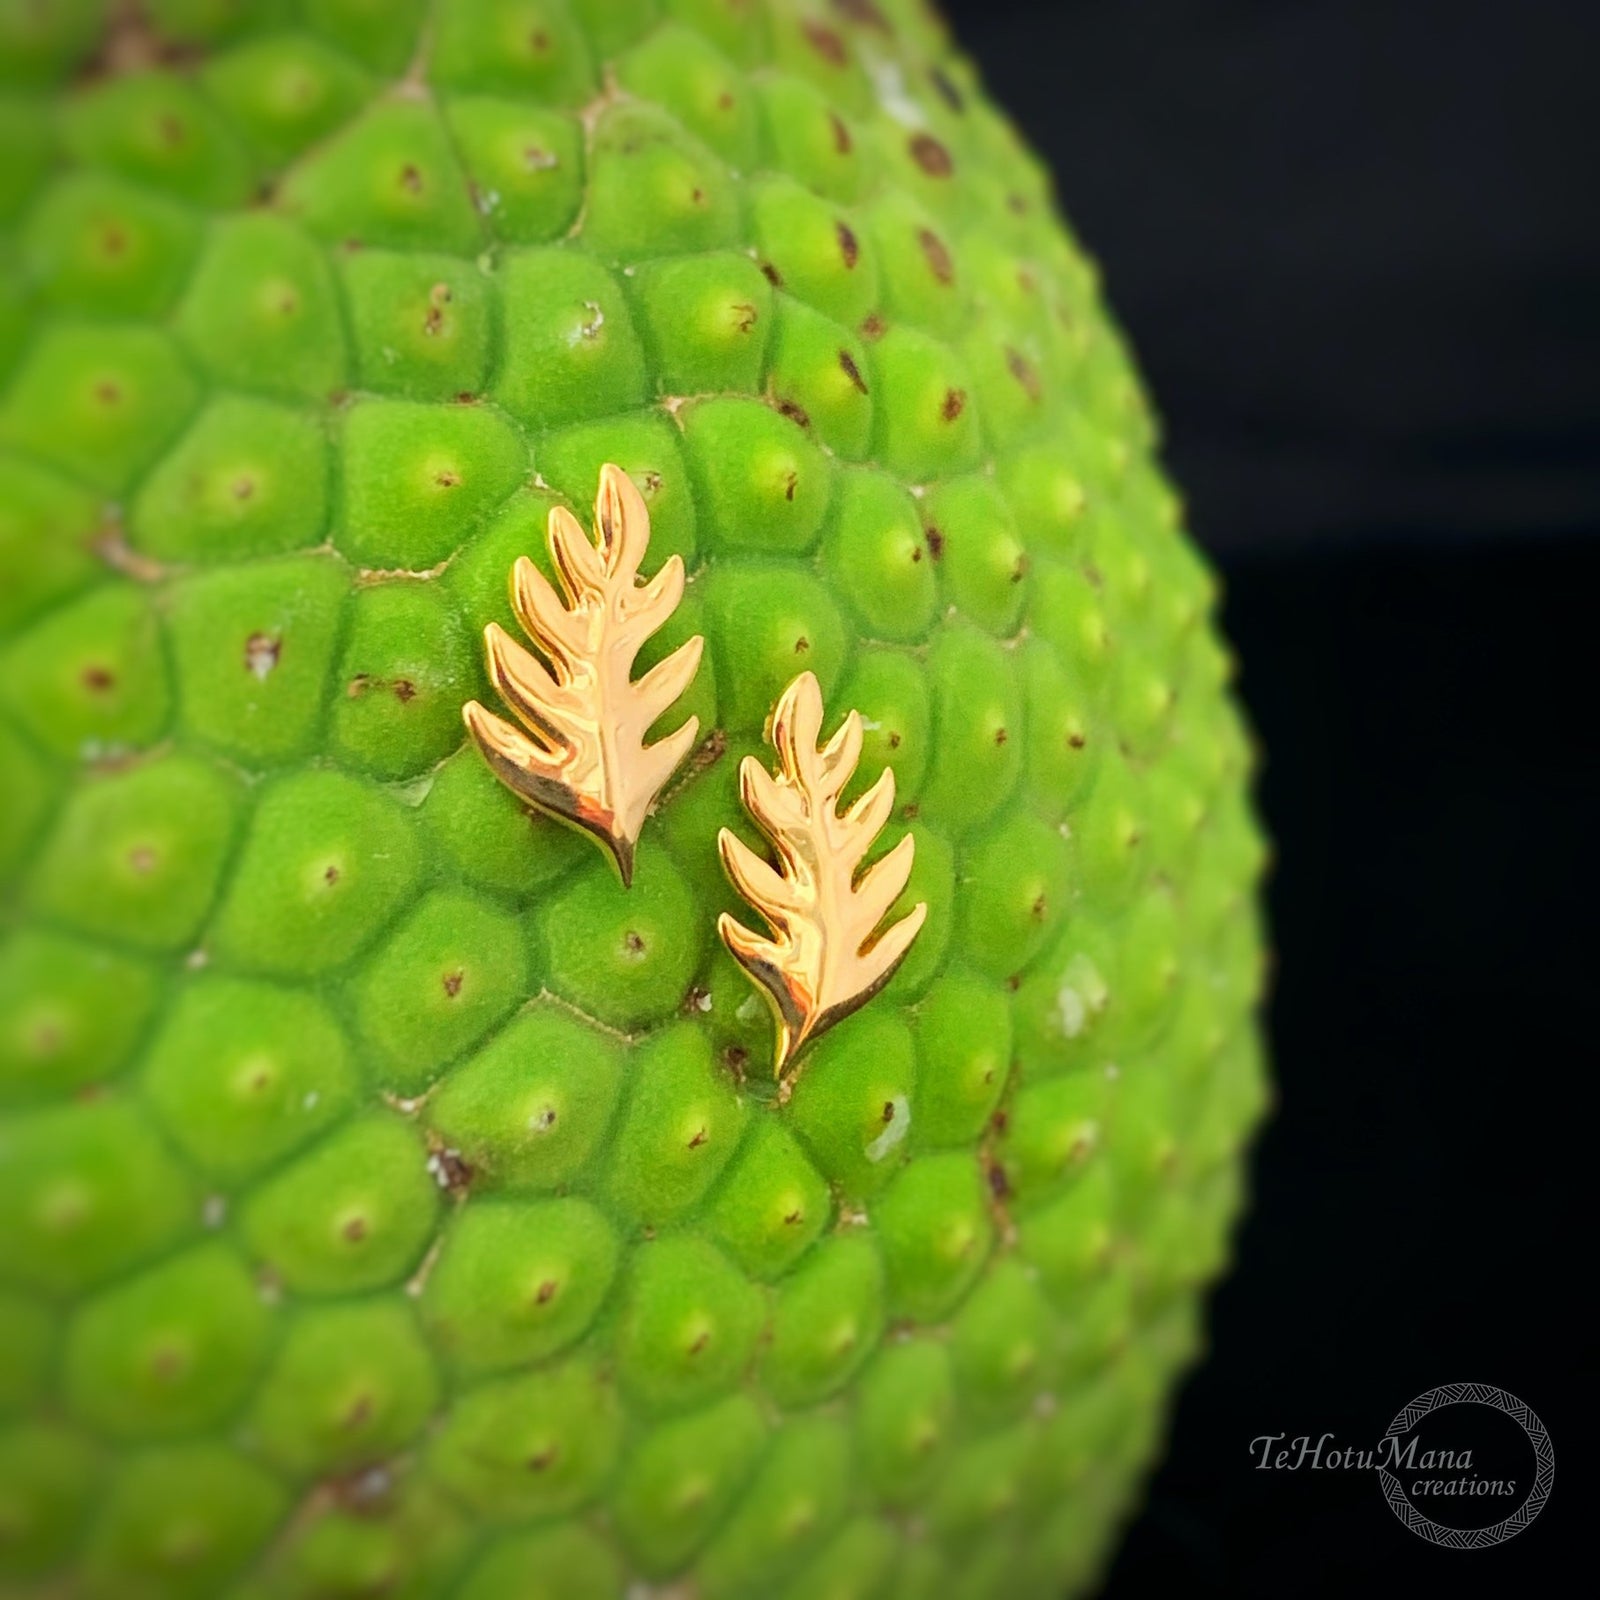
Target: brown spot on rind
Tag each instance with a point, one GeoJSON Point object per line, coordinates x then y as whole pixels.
{"type": "Point", "coordinates": [745, 316]}
{"type": "Point", "coordinates": [872, 327]}
{"type": "Point", "coordinates": [865, 13]}
{"type": "Point", "coordinates": [795, 412]}
{"type": "Point", "coordinates": [452, 983]}
{"type": "Point", "coordinates": [261, 653]}
{"type": "Point", "coordinates": [931, 156]}
{"type": "Point", "coordinates": [1000, 736]}
{"type": "Point", "coordinates": [948, 92]}
{"type": "Point", "coordinates": [410, 179]}
{"type": "Point", "coordinates": [955, 402]}
{"type": "Point", "coordinates": [937, 255]}
{"type": "Point", "coordinates": [843, 141]}
{"type": "Point", "coordinates": [849, 245]}
{"type": "Point", "coordinates": [852, 371]}
{"type": "Point", "coordinates": [1022, 370]}
{"type": "Point", "coordinates": [772, 275]}
{"type": "Point", "coordinates": [935, 542]}
{"type": "Point", "coordinates": [826, 43]}
{"type": "Point", "coordinates": [1076, 740]}
{"type": "Point", "coordinates": [97, 679]}
{"type": "Point", "coordinates": [405, 691]}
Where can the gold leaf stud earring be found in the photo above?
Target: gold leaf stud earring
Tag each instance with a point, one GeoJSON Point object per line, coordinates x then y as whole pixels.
{"type": "Point", "coordinates": [828, 955]}
{"type": "Point", "coordinates": [583, 759]}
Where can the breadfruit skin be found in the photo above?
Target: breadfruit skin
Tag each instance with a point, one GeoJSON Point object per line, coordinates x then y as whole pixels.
{"type": "Point", "coordinates": [390, 1203]}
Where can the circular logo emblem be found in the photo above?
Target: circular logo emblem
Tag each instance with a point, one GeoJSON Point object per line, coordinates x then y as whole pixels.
{"type": "Point", "coordinates": [1483, 1451]}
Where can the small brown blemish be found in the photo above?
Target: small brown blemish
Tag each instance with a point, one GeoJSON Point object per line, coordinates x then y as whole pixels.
{"type": "Point", "coordinates": [171, 129]}
{"type": "Point", "coordinates": [745, 316]}
{"type": "Point", "coordinates": [243, 487]}
{"type": "Point", "coordinates": [1022, 370]}
{"type": "Point", "coordinates": [107, 392]}
{"type": "Point", "coordinates": [955, 402]}
{"type": "Point", "coordinates": [652, 481]}
{"type": "Point", "coordinates": [792, 482]}
{"type": "Point", "coordinates": [1039, 908]}
{"type": "Point", "coordinates": [894, 741]}
{"type": "Point", "coordinates": [358, 1412]}
{"type": "Point", "coordinates": [725, 100]}
{"type": "Point", "coordinates": [355, 1229]}
{"type": "Point", "coordinates": [1076, 740]}
{"type": "Point", "coordinates": [543, 1460]}
{"type": "Point", "coordinates": [794, 1218]}
{"type": "Point", "coordinates": [97, 679]}
{"type": "Point", "coordinates": [1000, 736]}
{"type": "Point", "coordinates": [849, 245]}
{"type": "Point", "coordinates": [888, 1110]}
{"type": "Point", "coordinates": [633, 943]}
{"type": "Point", "coordinates": [937, 255]}
{"type": "Point", "coordinates": [697, 196]}
{"type": "Point", "coordinates": [447, 479]}
{"type": "Point", "coordinates": [405, 691]}
{"type": "Point", "coordinates": [545, 1293]}
{"type": "Point", "coordinates": [935, 542]}
{"type": "Point", "coordinates": [452, 983]}
{"type": "Point", "coordinates": [801, 645]}
{"type": "Point", "coordinates": [865, 13]}
{"type": "Point", "coordinates": [142, 858]}
{"type": "Point", "coordinates": [772, 275]}
{"type": "Point", "coordinates": [539, 41]}
{"type": "Point", "coordinates": [700, 1341]}
{"type": "Point", "coordinates": [411, 179]}
{"type": "Point", "coordinates": [999, 1184]}
{"type": "Point", "coordinates": [843, 141]}
{"type": "Point", "coordinates": [852, 371]}
{"type": "Point", "coordinates": [1000, 1120]}
{"type": "Point", "coordinates": [700, 1137]}
{"type": "Point", "coordinates": [872, 327]}
{"type": "Point", "coordinates": [826, 43]}
{"type": "Point", "coordinates": [113, 241]}
{"type": "Point", "coordinates": [947, 90]}
{"type": "Point", "coordinates": [795, 413]}
{"type": "Point", "coordinates": [931, 156]}
{"type": "Point", "coordinates": [330, 875]}
{"type": "Point", "coordinates": [1017, 204]}
{"type": "Point", "coordinates": [910, 811]}
{"type": "Point", "coordinates": [261, 652]}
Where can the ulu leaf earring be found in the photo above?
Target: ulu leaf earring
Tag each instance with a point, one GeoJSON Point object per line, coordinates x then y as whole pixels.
{"type": "Point", "coordinates": [828, 955]}
{"type": "Point", "coordinates": [583, 758]}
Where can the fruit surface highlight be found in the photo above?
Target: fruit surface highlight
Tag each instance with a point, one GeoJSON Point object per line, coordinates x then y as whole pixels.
{"type": "Point", "coordinates": [391, 1202]}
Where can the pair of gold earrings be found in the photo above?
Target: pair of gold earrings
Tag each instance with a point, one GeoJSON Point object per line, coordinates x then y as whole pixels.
{"type": "Point", "coordinates": [579, 755]}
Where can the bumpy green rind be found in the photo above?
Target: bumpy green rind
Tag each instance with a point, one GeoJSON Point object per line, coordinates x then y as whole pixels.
{"type": "Point", "coordinates": [391, 1204]}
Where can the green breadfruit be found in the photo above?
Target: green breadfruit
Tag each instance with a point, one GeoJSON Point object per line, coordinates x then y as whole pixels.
{"type": "Point", "coordinates": [391, 1203]}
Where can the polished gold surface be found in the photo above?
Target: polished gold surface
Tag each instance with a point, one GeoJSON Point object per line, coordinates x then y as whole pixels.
{"type": "Point", "coordinates": [826, 958]}
{"type": "Point", "coordinates": [583, 758]}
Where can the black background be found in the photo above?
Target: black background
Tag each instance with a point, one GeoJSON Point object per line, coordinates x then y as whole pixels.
{"type": "Point", "coordinates": [1358, 250]}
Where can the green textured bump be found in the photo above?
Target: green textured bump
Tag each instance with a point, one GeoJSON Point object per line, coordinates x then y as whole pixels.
{"type": "Point", "coordinates": [392, 1203]}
